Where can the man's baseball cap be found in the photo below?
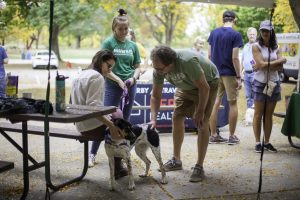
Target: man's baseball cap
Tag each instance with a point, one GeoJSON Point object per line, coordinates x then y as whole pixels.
{"type": "Point", "coordinates": [228, 14]}
{"type": "Point", "coordinates": [266, 25]}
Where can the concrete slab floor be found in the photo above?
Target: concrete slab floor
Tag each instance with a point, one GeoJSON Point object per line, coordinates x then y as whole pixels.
{"type": "Point", "coordinates": [232, 172]}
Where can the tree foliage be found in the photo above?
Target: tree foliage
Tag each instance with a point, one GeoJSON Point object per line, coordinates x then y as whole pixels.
{"type": "Point", "coordinates": [283, 17]}
{"type": "Point", "coordinates": [66, 13]}
{"type": "Point", "coordinates": [157, 21]}
{"type": "Point", "coordinates": [250, 17]}
{"type": "Point", "coordinates": [12, 19]}
{"type": "Point", "coordinates": [166, 18]}
{"type": "Point", "coordinates": [295, 7]}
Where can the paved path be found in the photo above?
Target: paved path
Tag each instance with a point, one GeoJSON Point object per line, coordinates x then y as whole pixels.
{"type": "Point", "coordinates": [232, 171]}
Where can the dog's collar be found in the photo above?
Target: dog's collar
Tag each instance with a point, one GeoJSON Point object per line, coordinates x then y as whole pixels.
{"type": "Point", "coordinates": [108, 140]}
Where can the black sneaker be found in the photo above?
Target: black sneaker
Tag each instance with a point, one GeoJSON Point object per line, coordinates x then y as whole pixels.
{"type": "Point", "coordinates": [270, 148]}
{"type": "Point", "coordinates": [258, 148]}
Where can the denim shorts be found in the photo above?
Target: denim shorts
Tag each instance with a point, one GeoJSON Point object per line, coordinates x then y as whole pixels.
{"type": "Point", "coordinates": [258, 95]}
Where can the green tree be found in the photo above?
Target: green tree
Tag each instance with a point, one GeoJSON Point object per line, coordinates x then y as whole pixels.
{"type": "Point", "coordinates": [295, 7]}
{"type": "Point", "coordinates": [12, 16]}
{"type": "Point", "coordinates": [66, 13]}
{"type": "Point", "coordinates": [166, 18]}
{"type": "Point", "coordinates": [92, 25]}
{"type": "Point", "coordinates": [250, 17]}
{"type": "Point", "coordinates": [283, 17]}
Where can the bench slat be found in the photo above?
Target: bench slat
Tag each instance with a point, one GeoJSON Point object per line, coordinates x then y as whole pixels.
{"type": "Point", "coordinates": [279, 114]}
{"type": "Point", "coordinates": [4, 166]}
{"type": "Point", "coordinates": [39, 130]}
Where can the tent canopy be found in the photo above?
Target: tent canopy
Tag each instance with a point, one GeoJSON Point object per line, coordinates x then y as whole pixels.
{"type": "Point", "coordinates": [250, 3]}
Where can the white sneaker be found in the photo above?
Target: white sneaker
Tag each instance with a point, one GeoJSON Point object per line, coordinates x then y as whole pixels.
{"type": "Point", "coordinates": [92, 160]}
{"type": "Point", "coordinates": [249, 116]}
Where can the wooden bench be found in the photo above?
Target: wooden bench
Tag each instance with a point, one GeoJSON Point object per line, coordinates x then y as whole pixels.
{"type": "Point", "coordinates": [53, 132]}
{"type": "Point", "coordinates": [39, 130]}
{"type": "Point", "coordinates": [4, 166]}
{"type": "Point", "coordinates": [279, 114]}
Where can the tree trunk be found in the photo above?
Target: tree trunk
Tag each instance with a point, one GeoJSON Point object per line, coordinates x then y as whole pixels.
{"type": "Point", "coordinates": [55, 45]}
{"type": "Point", "coordinates": [38, 38]}
{"type": "Point", "coordinates": [78, 38]}
{"type": "Point", "coordinates": [295, 6]}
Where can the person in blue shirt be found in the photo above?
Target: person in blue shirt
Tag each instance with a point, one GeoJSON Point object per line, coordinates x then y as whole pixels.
{"type": "Point", "coordinates": [223, 50]}
{"type": "Point", "coordinates": [246, 64]}
{"type": "Point", "coordinates": [3, 60]}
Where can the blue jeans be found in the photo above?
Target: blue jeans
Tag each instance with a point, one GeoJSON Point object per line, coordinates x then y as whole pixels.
{"type": "Point", "coordinates": [112, 97]}
{"type": "Point", "coordinates": [248, 79]}
{"type": "Point", "coordinates": [2, 87]}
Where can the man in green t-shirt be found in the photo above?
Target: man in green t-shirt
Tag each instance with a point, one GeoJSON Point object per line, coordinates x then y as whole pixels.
{"type": "Point", "coordinates": [196, 81]}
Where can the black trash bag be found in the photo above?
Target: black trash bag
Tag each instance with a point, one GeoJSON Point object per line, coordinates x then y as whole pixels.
{"type": "Point", "coordinates": [10, 105]}
{"type": "Point", "coordinates": [37, 106]}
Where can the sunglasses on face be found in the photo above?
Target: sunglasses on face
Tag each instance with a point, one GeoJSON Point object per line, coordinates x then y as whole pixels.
{"type": "Point", "coordinates": [109, 65]}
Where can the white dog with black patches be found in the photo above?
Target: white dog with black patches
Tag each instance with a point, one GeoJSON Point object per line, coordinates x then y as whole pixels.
{"type": "Point", "coordinates": [141, 137]}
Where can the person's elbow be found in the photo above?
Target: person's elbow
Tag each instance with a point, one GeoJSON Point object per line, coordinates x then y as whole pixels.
{"type": "Point", "coordinates": [235, 59]}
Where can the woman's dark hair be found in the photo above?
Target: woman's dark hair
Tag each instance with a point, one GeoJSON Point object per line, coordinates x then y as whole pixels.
{"type": "Point", "coordinates": [164, 54]}
{"type": "Point", "coordinates": [121, 18]}
{"type": "Point", "coordinates": [273, 41]}
{"type": "Point", "coordinates": [100, 57]}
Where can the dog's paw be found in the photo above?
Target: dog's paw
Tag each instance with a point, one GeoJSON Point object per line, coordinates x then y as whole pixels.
{"type": "Point", "coordinates": [163, 181]}
{"type": "Point", "coordinates": [131, 187]}
{"type": "Point", "coordinates": [143, 175]}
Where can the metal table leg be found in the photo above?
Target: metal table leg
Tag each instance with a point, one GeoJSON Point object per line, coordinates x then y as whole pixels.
{"type": "Point", "coordinates": [25, 160]}
{"type": "Point", "coordinates": [48, 171]}
{"type": "Point", "coordinates": [291, 143]}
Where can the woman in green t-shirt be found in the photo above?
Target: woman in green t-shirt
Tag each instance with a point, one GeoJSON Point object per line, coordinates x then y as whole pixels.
{"type": "Point", "coordinates": [126, 71]}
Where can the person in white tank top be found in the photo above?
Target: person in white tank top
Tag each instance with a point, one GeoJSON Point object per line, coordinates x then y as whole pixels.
{"type": "Point", "coordinates": [265, 74]}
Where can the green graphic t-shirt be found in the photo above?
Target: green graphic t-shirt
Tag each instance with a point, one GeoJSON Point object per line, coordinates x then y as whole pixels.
{"type": "Point", "coordinates": [188, 68]}
{"type": "Point", "coordinates": [127, 56]}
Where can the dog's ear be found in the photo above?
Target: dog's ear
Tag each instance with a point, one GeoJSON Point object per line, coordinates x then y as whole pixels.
{"type": "Point", "coordinates": [122, 123]}
{"type": "Point", "coordinates": [137, 130]}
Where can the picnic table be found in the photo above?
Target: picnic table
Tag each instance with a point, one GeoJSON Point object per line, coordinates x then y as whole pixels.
{"type": "Point", "coordinates": [72, 114]}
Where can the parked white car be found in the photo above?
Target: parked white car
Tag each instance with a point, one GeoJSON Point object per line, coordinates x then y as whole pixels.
{"type": "Point", "coordinates": [41, 58]}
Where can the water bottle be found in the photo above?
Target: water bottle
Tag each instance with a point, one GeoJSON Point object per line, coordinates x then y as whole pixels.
{"type": "Point", "coordinates": [60, 97]}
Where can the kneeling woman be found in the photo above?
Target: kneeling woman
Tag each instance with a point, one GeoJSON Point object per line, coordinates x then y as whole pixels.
{"type": "Point", "coordinates": [88, 89]}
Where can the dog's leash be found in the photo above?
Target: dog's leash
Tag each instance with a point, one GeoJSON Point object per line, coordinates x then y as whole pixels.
{"type": "Point", "coordinates": [125, 95]}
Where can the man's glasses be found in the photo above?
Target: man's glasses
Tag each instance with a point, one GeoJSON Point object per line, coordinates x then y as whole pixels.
{"type": "Point", "coordinates": [160, 69]}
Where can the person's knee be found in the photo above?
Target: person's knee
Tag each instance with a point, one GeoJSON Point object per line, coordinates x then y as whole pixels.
{"type": "Point", "coordinates": [232, 103]}
{"type": "Point", "coordinates": [257, 116]}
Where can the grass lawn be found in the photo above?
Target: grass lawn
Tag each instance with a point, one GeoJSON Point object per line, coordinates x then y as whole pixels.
{"type": "Point", "coordinates": [82, 53]}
